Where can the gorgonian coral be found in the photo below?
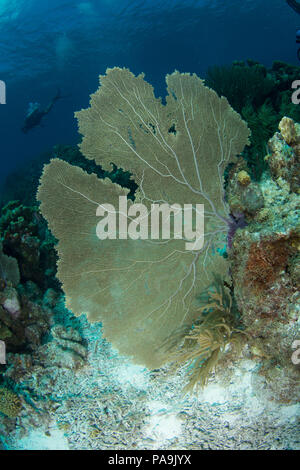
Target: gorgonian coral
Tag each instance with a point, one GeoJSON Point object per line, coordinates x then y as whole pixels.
{"type": "Point", "coordinates": [143, 289]}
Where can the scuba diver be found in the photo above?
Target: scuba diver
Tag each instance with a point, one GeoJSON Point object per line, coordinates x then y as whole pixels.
{"type": "Point", "coordinates": [294, 4]}
{"type": "Point", "coordinates": [35, 114]}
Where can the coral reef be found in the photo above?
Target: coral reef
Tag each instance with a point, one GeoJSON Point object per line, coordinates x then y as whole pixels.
{"type": "Point", "coordinates": [263, 235]}
{"type": "Point", "coordinates": [24, 318]}
{"type": "Point", "coordinates": [244, 196]}
{"type": "Point", "coordinates": [241, 83]}
{"type": "Point", "coordinates": [23, 323]}
{"type": "Point", "coordinates": [25, 237]}
{"type": "Point", "coordinates": [263, 249]}
{"type": "Point", "coordinates": [47, 352]}
{"type": "Point", "coordinates": [284, 156]}
{"type": "Point", "coordinates": [37, 344]}
{"type": "Point", "coordinates": [265, 263]}
{"type": "Point", "coordinates": [65, 350]}
{"type": "Point", "coordinates": [9, 269]}
{"type": "Point", "coordinates": [36, 372]}
{"type": "Point", "coordinates": [60, 374]}
{"type": "Point", "coordinates": [262, 96]}
{"type": "Point", "coordinates": [111, 404]}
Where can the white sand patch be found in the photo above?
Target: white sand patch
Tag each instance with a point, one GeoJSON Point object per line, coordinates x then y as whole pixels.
{"type": "Point", "coordinates": [163, 424]}
{"type": "Point", "coordinates": [131, 375]}
{"type": "Point", "coordinates": [38, 440]}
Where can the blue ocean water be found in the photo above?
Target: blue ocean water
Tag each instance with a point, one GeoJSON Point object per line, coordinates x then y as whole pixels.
{"type": "Point", "coordinates": [68, 43]}
{"type": "Point", "coordinates": [64, 385]}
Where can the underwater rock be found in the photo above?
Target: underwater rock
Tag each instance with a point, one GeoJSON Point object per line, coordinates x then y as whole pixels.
{"type": "Point", "coordinates": [284, 159]}
{"type": "Point", "coordinates": [25, 237]}
{"type": "Point", "coordinates": [42, 375]}
{"type": "Point", "coordinates": [63, 350]}
{"type": "Point", "coordinates": [288, 130]}
{"type": "Point", "coordinates": [18, 366]}
{"type": "Point", "coordinates": [50, 298]}
{"type": "Point", "coordinates": [244, 196]}
{"type": "Point", "coordinates": [294, 270]}
{"type": "Point", "coordinates": [243, 178]}
{"type": "Point", "coordinates": [265, 265]}
{"type": "Point", "coordinates": [23, 323]}
{"type": "Point", "coordinates": [9, 269]}
{"type": "Point", "coordinates": [66, 350]}
{"type": "Point", "coordinates": [9, 300]}
{"type": "Point", "coordinates": [279, 383]}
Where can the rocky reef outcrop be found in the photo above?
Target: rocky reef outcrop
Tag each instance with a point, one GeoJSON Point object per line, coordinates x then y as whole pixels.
{"type": "Point", "coordinates": [265, 257]}
{"type": "Point", "coordinates": [42, 340]}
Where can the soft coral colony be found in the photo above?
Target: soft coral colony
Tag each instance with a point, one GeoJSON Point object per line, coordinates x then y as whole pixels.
{"type": "Point", "coordinates": [177, 153]}
{"type": "Point", "coordinates": [141, 290]}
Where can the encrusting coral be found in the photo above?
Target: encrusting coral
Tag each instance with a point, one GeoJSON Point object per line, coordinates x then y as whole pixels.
{"type": "Point", "coordinates": [284, 156]}
{"type": "Point", "coordinates": [142, 289]}
{"type": "Point", "coordinates": [265, 264]}
{"type": "Point", "coordinates": [10, 404]}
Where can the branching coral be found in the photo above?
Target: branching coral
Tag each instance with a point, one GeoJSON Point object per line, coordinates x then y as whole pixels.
{"type": "Point", "coordinates": [142, 289]}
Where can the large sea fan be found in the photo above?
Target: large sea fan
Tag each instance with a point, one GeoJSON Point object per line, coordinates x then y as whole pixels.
{"type": "Point", "coordinates": [141, 290]}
